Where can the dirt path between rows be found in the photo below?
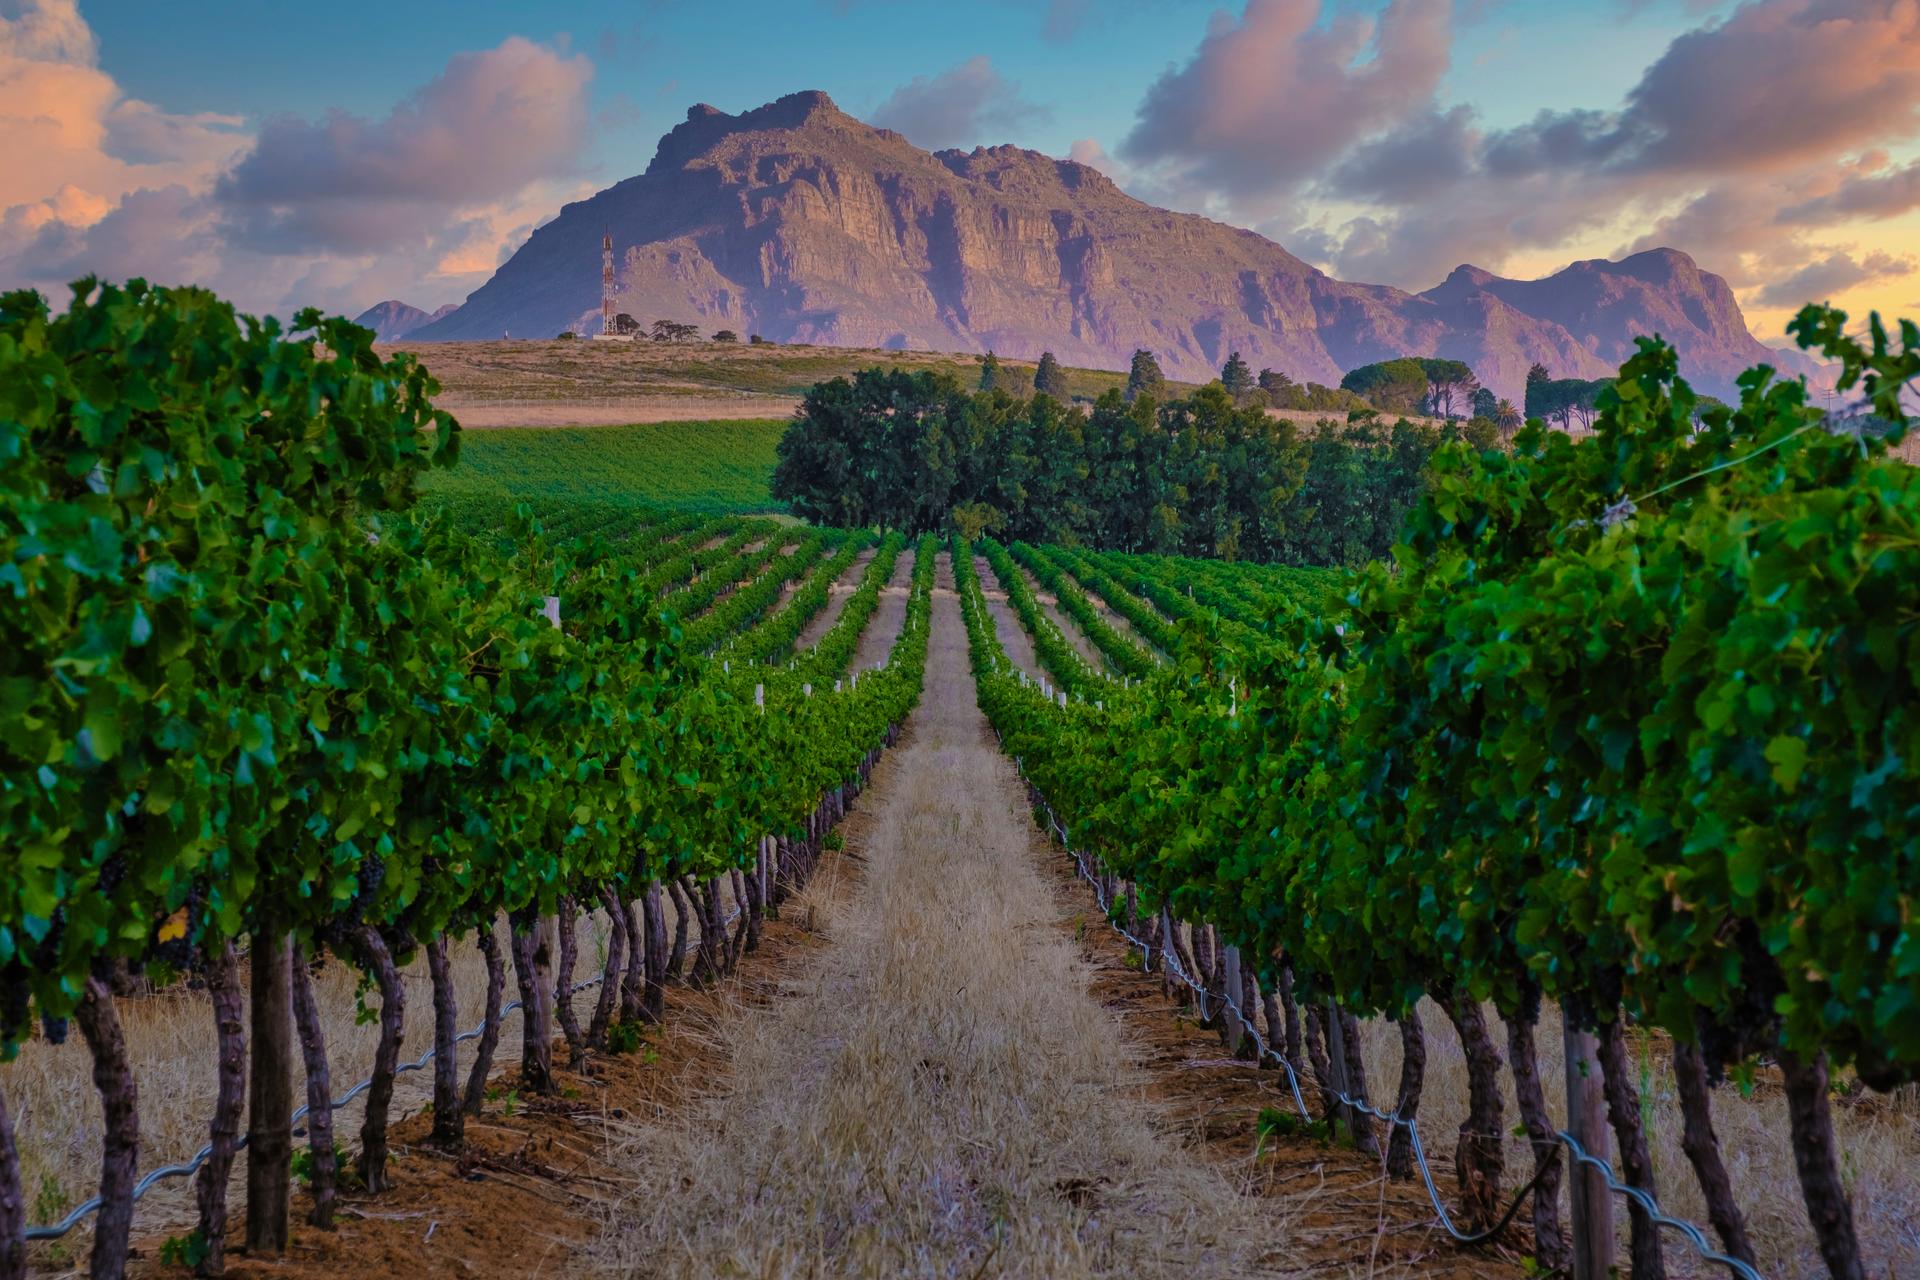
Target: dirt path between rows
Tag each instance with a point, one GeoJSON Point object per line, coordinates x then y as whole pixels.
{"type": "Point", "coordinates": [942, 1095]}
{"type": "Point", "coordinates": [1050, 606]}
{"type": "Point", "coordinates": [837, 593]}
{"type": "Point", "coordinates": [889, 616]}
{"type": "Point", "coordinates": [1012, 636]}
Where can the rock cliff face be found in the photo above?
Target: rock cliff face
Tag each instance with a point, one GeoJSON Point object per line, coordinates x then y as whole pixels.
{"type": "Point", "coordinates": [798, 222]}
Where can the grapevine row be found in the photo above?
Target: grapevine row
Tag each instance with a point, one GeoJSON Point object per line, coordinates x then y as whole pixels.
{"type": "Point", "coordinates": [247, 694]}
{"type": "Point", "coordinates": [1626, 727]}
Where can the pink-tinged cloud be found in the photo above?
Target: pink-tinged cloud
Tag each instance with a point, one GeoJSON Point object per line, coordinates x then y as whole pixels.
{"type": "Point", "coordinates": [1871, 195]}
{"type": "Point", "coordinates": [1822, 280]}
{"type": "Point", "coordinates": [333, 213]}
{"type": "Point", "coordinates": [1271, 100]}
{"type": "Point", "coordinates": [1743, 138]}
{"type": "Point", "coordinates": [486, 127]}
{"type": "Point", "coordinates": [1779, 83]}
{"type": "Point", "coordinates": [65, 122]}
{"type": "Point", "coordinates": [962, 104]}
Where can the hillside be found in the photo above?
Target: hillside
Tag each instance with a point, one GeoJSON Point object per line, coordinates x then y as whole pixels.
{"type": "Point", "coordinates": [543, 384]}
{"type": "Point", "coordinates": [799, 222]}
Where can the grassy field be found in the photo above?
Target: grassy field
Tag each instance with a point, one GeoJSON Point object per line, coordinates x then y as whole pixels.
{"type": "Point", "coordinates": [717, 468]}
{"type": "Point", "coordinates": [553, 383]}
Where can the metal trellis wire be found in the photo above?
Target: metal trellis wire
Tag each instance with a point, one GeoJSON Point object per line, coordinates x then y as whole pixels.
{"type": "Point", "coordinates": [85, 1209]}
{"type": "Point", "coordinates": [1579, 1154]}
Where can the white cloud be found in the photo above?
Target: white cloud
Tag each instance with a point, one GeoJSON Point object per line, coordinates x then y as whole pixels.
{"type": "Point", "coordinates": [336, 212]}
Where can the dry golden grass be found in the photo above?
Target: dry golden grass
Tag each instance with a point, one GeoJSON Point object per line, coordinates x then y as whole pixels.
{"type": "Point", "coordinates": [1879, 1141]}
{"type": "Point", "coordinates": [170, 1040]}
{"type": "Point", "coordinates": [939, 1096]}
{"type": "Point", "coordinates": [549, 383]}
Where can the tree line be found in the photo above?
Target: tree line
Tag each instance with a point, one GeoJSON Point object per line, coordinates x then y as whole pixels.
{"type": "Point", "coordinates": [1208, 474]}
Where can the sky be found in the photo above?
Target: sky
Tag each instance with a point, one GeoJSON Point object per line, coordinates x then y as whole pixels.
{"type": "Point", "coordinates": [336, 155]}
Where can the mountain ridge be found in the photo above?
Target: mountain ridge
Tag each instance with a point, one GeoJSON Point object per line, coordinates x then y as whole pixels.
{"type": "Point", "coordinates": [393, 319]}
{"type": "Point", "coordinates": [802, 223]}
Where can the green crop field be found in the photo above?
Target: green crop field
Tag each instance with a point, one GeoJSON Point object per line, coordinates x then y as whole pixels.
{"type": "Point", "coordinates": [719, 468]}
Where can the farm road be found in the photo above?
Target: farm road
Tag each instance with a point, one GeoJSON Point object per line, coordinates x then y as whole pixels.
{"type": "Point", "coordinates": [940, 1094]}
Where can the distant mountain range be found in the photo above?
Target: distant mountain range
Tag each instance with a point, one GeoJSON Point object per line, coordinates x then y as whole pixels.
{"type": "Point", "coordinates": [801, 223]}
{"type": "Point", "coordinates": [392, 320]}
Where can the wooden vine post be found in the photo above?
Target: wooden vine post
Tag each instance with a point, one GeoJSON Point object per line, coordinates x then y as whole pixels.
{"type": "Point", "coordinates": [1591, 1205]}
{"type": "Point", "coordinates": [270, 1095]}
{"type": "Point", "coordinates": [1234, 1028]}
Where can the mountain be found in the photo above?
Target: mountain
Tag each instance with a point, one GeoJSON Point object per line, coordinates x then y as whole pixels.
{"type": "Point", "coordinates": [392, 320]}
{"type": "Point", "coordinates": [799, 222]}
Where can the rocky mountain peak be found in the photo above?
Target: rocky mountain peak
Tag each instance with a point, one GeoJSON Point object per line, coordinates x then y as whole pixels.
{"type": "Point", "coordinates": [800, 222]}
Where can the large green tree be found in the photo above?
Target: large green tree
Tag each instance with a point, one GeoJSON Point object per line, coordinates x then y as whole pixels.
{"type": "Point", "coordinates": [1391, 386]}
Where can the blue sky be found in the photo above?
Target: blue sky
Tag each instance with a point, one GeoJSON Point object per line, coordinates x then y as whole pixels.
{"type": "Point", "coordinates": [655, 59]}
{"type": "Point", "coordinates": [1385, 140]}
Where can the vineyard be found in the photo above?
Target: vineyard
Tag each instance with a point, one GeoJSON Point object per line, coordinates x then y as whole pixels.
{"type": "Point", "coordinates": [258, 708]}
{"type": "Point", "coordinates": [1599, 795]}
{"type": "Point", "coordinates": [1625, 729]}
{"type": "Point", "coordinates": [715, 468]}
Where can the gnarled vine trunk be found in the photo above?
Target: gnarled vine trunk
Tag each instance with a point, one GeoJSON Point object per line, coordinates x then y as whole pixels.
{"type": "Point", "coordinates": [682, 913]}
{"type": "Point", "coordinates": [1828, 1208]}
{"type": "Point", "coordinates": [634, 985]}
{"type": "Point", "coordinates": [705, 898]}
{"type": "Point", "coordinates": [1364, 1139]}
{"type": "Point", "coordinates": [230, 1100]}
{"type": "Point", "coordinates": [1702, 1146]}
{"type": "Point", "coordinates": [563, 982]}
{"type": "Point", "coordinates": [1636, 1162]}
{"type": "Point", "coordinates": [531, 970]}
{"type": "Point", "coordinates": [734, 948]}
{"type": "Point", "coordinates": [755, 903]}
{"type": "Point", "coordinates": [1293, 1045]}
{"type": "Point", "coordinates": [1406, 1103]}
{"type": "Point", "coordinates": [1249, 995]}
{"type": "Point", "coordinates": [386, 1057]}
{"type": "Point", "coordinates": [1316, 1049]}
{"type": "Point", "coordinates": [654, 1007]}
{"type": "Point", "coordinates": [120, 1148]}
{"type": "Point", "coordinates": [325, 1180]}
{"type": "Point", "coordinates": [1478, 1155]}
{"type": "Point", "coordinates": [1549, 1240]}
{"type": "Point", "coordinates": [610, 976]}
{"type": "Point", "coordinates": [476, 1096]}
{"type": "Point", "coordinates": [13, 1204]}
{"type": "Point", "coordinates": [449, 1120]}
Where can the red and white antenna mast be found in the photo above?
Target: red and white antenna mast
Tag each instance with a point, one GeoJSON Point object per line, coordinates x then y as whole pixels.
{"type": "Point", "coordinates": [606, 283]}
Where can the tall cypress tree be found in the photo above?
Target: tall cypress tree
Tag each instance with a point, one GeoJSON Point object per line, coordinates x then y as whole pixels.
{"type": "Point", "coordinates": [1537, 380]}
{"type": "Point", "coordinates": [1050, 379]}
{"type": "Point", "coordinates": [1237, 378]}
{"type": "Point", "coordinates": [1145, 378]}
{"type": "Point", "coordinates": [989, 371]}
